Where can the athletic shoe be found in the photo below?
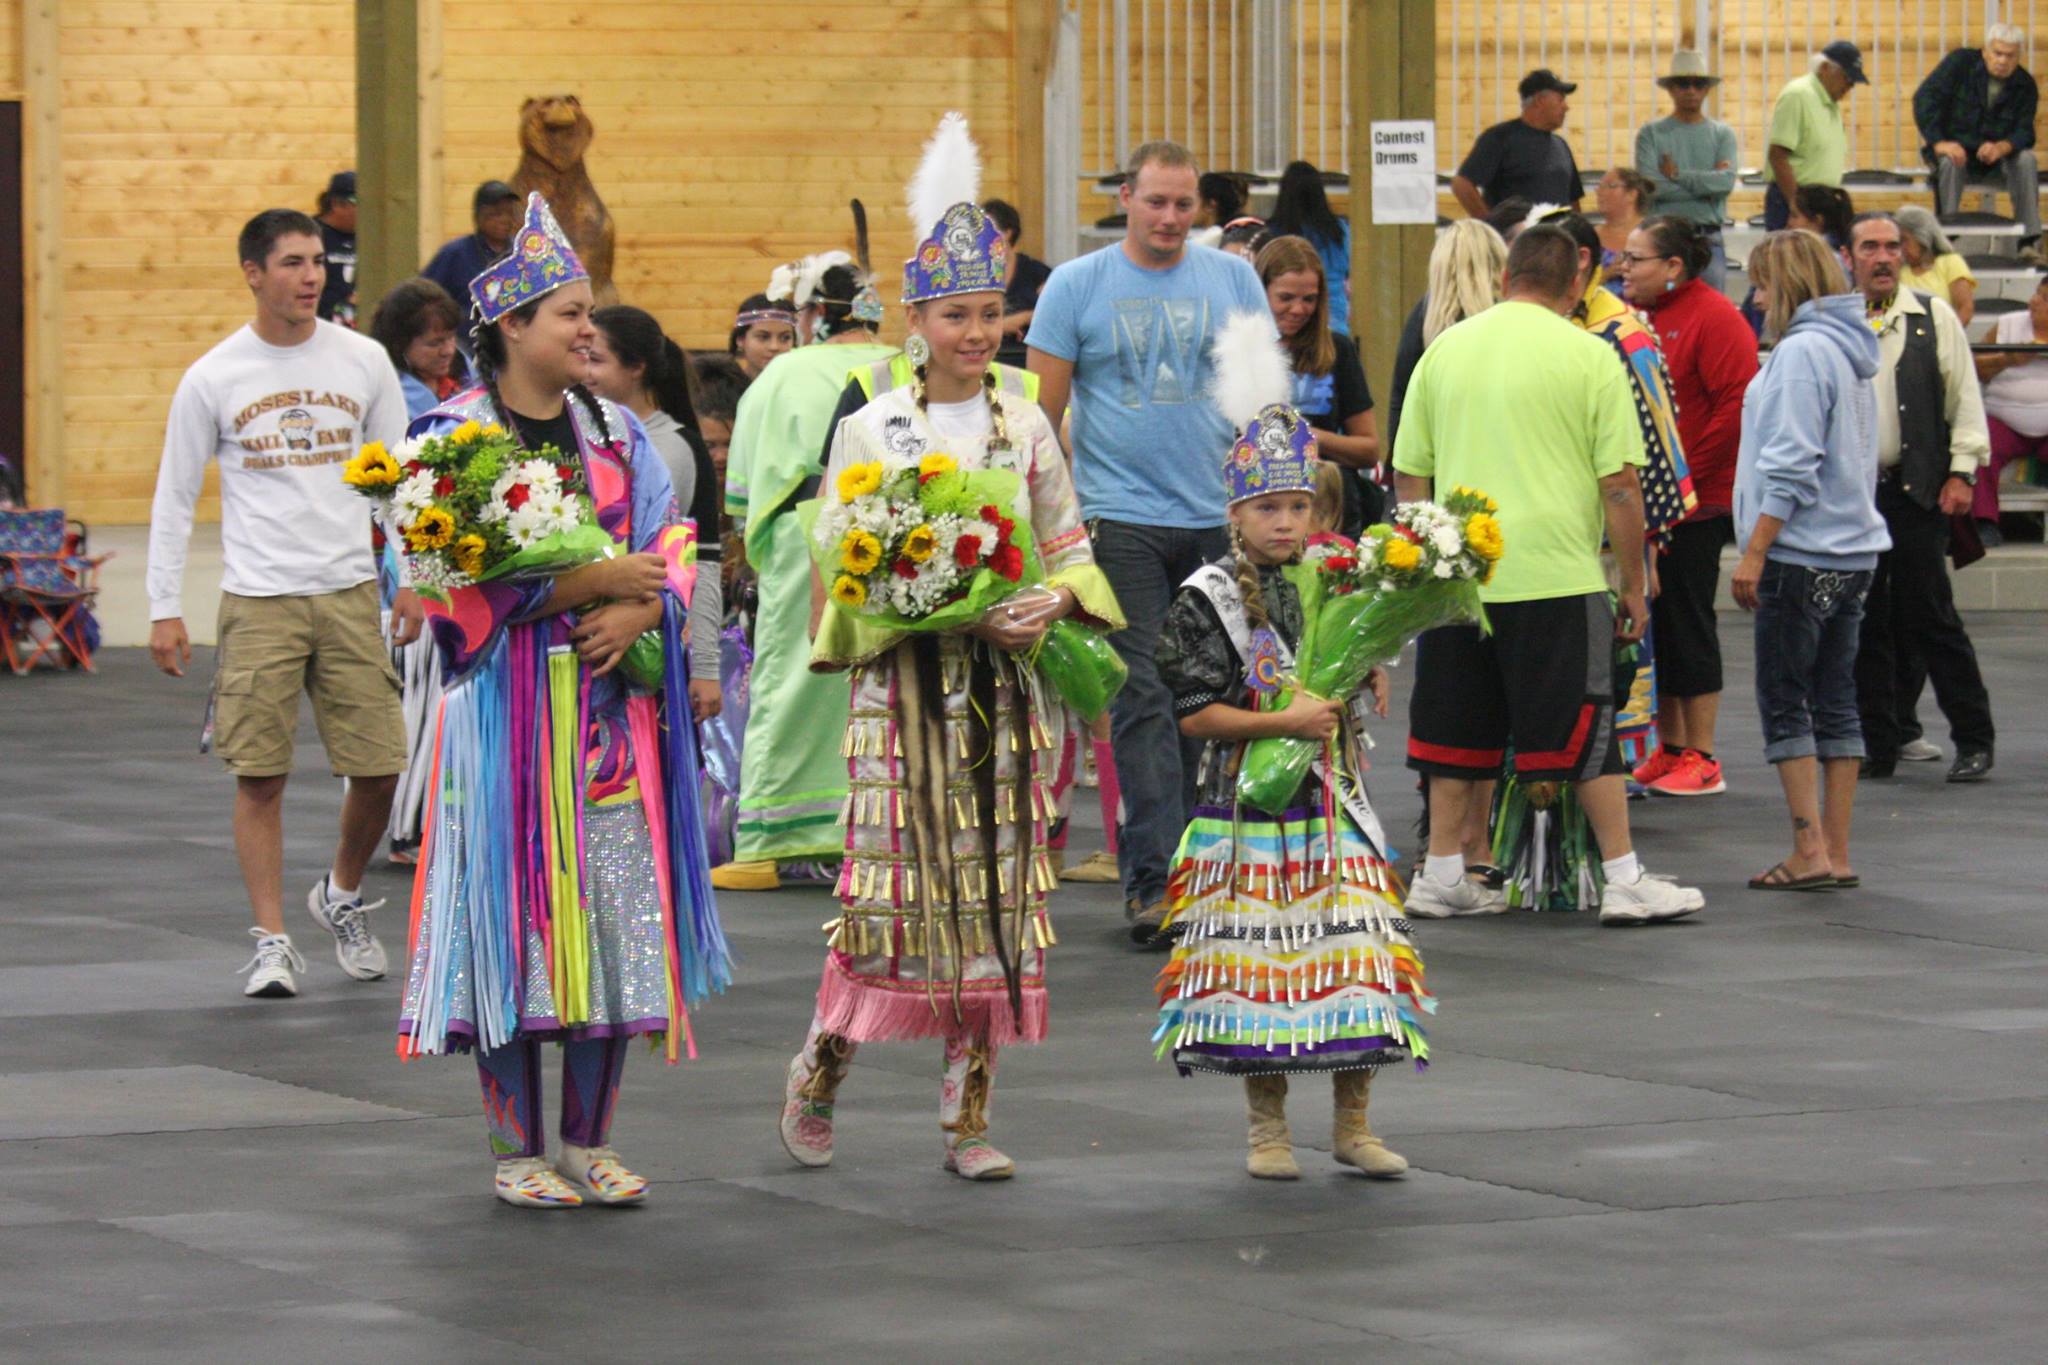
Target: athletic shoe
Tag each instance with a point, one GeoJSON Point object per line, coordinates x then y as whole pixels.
{"type": "Point", "coordinates": [1429, 898]}
{"type": "Point", "coordinates": [1659, 763]}
{"type": "Point", "coordinates": [599, 1170]}
{"type": "Point", "coordinates": [531, 1183]}
{"type": "Point", "coordinates": [1649, 898]}
{"type": "Point", "coordinates": [270, 970]}
{"type": "Point", "coordinates": [1695, 775]}
{"type": "Point", "coordinates": [1099, 866]}
{"type": "Point", "coordinates": [1920, 751]}
{"type": "Point", "coordinates": [355, 947]}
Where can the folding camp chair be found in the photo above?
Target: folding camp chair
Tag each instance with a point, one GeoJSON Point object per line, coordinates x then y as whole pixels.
{"type": "Point", "coordinates": [47, 588]}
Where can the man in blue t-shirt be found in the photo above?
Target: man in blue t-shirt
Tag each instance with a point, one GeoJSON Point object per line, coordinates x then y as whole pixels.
{"type": "Point", "coordinates": [1125, 333]}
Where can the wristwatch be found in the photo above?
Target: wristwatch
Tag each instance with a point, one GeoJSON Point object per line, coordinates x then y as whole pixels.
{"type": "Point", "coordinates": [1969, 478]}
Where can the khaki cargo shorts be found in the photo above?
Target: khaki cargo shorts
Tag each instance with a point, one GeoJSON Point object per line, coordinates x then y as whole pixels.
{"type": "Point", "coordinates": [329, 646]}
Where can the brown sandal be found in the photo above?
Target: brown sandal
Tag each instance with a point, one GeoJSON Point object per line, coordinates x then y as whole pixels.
{"type": "Point", "coordinates": [1781, 878]}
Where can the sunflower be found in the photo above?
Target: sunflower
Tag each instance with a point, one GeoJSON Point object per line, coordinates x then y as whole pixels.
{"type": "Point", "coordinates": [372, 467]}
{"type": "Point", "coordinates": [492, 431]}
{"type": "Point", "coordinates": [859, 552]}
{"type": "Point", "coordinates": [469, 554]}
{"type": "Point", "coordinates": [921, 542]}
{"type": "Point", "coordinates": [467, 434]}
{"type": "Point", "coordinates": [935, 464]}
{"type": "Point", "coordinates": [1482, 533]}
{"type": "Point", "coordinates": [1402, 554]}
{"type": "Point", "coordinates": [859, 480]}
{"type": "Point", "coordinates": [848, 592]}
{"type": "Point", "coordinates": [433, 529]}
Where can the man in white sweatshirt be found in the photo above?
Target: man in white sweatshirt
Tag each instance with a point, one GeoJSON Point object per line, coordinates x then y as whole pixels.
{"type": "Point", "coordinates": [281, 404]}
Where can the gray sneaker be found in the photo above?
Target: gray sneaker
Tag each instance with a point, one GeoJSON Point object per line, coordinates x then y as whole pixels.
{"type": "Point", "coordinates": [1429, 898]}
{"type": "Point", "coordinates": [270, 970]}
{"type": "Point", "coordinates": [1920, 751]}
{"type": "Point", "coordinates": [355, 947]}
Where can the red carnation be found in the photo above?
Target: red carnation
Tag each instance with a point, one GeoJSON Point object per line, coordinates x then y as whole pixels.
{"type": "Point", "coordinates": [1342, 563]}
{"type": "Point", "coordinates": [443, 486]}
{"type": "Point", "coordinates": [903, 568]}
{"type": "Point", "coordinates": [967, 551]}
{"type": "Point", "coordinates": [1408, 534]}
{"type": "Point", "coordinates": [413, 466]}
{"type": "Point", "coordinates": [989, 512]}
{"type": "Point", "coordinates": [516, 496]}
{"type": "Point", "coordinates": [1008, 561]}
{"type": "Point", "coordinates": [566, 473]}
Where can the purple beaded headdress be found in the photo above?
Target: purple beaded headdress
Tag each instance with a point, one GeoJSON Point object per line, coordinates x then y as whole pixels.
{"type": "Point", "coordinates": [540, 262]}
{"type": "Point", "coordinates": [963, 251]}
{"type": "Point", "coordinates": [1275, 454]}
{"type": "Point", "coordinates": [1275, 450]}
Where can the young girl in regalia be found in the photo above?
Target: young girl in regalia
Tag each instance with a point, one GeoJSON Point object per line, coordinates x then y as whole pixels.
{"type": "Point", "coordinates": [952, 738]}
{"type": "Point", "coordinates": [1291, 954]}
{"type": "Point", "coordinates": [563, 894]}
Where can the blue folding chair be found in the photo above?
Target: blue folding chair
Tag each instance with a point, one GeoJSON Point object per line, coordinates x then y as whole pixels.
{"type": "Point", "coordinates": [47, 588]}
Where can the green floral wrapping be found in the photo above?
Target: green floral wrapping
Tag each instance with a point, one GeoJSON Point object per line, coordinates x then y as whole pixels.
{"type": "Point", "coordinates": [1082, 667]}
{"type": "Point", "coordinates": [1345, 639]}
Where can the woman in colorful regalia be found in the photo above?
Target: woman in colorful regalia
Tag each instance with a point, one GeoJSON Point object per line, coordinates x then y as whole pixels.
{"type": "Point", "coordinates": [563, 893]}
{"type": "Point", "coordinates": [952, 738]}
{"type": "Point", "coordinates": [1291, 954]}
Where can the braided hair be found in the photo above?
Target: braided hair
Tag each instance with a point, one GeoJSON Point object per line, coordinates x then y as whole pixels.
{"type": "Point", "coordinates": [1249, 589]}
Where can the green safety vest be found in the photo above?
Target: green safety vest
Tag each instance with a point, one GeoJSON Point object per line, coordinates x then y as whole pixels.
{"type": "Point", "coordinates": [897, 373]}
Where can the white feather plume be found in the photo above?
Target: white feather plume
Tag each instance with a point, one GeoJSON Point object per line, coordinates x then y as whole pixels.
{"type": "Point", "coordinates": [782, 282]}
{"type": "Point", "coordinates": [949, 174]}
{"type": "Point", "coordinates": [810, 275]}
{"type": "Point", "coordinates": [1250, 366]}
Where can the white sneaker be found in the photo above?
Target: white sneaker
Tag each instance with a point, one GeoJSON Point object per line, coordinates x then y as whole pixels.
{"type": "Point", "coordinates": [1920, 751]}
{"type": "Point", "coordinates": [355, 947]}
{"type": "Point", "coordinates": [1649, 898]}
{"type": "Point", "coordinates": [270, 970]}
{"type": "Point", "coordinates": [1429, 898]}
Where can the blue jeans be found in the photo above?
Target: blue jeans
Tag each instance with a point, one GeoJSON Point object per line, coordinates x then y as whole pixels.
{"type": "Point", "coordinates": [1155, 764]}
{"type": "Point", "coordinates": [1807, 622]}
{"type": "Point", "coordinates": [1715, 272]}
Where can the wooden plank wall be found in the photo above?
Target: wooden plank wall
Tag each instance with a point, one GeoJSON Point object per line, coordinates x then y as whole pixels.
{"type": "Point", "coordinates": [10, 49]}
{"type": "Point", "coordinates": [730, 137]}
{"type": "Point", "coordinates": [181, 119]}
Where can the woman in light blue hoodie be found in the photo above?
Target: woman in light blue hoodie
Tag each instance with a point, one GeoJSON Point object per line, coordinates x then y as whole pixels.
{"type": "Point", "coordinates": [1806, 515]}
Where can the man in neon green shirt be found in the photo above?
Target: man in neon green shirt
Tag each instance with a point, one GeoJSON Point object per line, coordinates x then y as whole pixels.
{"type": "Point", "coordinates": [1522, 405]}
{"type": "Point", "coordinates": [1808, 145]}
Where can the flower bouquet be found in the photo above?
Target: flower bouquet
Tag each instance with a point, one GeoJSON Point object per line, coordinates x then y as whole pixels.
{"type": "Point", "coordinates": [1362, 605]}
{"type": "Point", "coordinates": [923, 545]}
{"type": "Point", "coordinates": [473, 506]}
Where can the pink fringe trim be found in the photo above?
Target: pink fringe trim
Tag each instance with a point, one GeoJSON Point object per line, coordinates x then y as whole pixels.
{"type": "Point", "coordinates": [866, 1011]}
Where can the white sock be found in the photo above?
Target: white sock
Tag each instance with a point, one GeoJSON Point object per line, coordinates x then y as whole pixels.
{"type": "Point", "coordinates": [1625, 869]}
{"type": "Point", "coordinates": [337, 896]}
{"type": "Point", "coordinates": [1447, 870]}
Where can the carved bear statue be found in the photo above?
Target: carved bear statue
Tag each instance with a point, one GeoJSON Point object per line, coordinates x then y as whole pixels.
{"type": "Point", "coordinates": [554, 133]}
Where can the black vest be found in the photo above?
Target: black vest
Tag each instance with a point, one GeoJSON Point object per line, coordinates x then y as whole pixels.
{"type": "Point", "coordinates": [1923, 400]}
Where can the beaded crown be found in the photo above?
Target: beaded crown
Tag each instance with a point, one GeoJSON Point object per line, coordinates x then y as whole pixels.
{"type": "Point", "coordinates": [965, 254]}
{"type": "Point", "coordinates": [1276, 453]}
{"type": "Point", "coordinates": [540, 262]}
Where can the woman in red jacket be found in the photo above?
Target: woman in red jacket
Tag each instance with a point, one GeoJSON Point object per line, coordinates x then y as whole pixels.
{"type": "Point", "coordinates": [1711, 354]}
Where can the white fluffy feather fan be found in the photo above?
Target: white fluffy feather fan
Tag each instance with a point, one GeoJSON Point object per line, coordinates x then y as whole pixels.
{"type": "Point", "coordinates": [949, 174]}
{"type": "Point", "coordinates": [1250, 366]}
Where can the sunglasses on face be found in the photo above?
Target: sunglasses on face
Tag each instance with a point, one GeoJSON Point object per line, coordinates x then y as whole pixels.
{"type": "Point", "coordinates": [1688, 83]}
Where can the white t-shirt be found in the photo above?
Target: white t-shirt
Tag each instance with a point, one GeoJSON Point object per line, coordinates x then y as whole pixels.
{"type": "Point", "coordinates": [2018, 397]}
{"type": "Point", "coordinates": [281, 420]}
{"type": "Point", "coordinates": [962, 421]}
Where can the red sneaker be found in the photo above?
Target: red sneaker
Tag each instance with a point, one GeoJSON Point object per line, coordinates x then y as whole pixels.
{"type": "Point", "coordinates": [1659, 763]}
{"type": "Point", "coordinates": [1695, 775]}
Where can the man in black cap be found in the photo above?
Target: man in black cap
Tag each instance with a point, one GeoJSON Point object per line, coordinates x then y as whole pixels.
{"type": "Point", "coordinates": [495, 210]}
{"type": "Point", "coordinates": [337, 219]}
{"type": "Point", "coordinates": [1524, 156]}
{"type": "Point", "coordinates": [1808, 145]}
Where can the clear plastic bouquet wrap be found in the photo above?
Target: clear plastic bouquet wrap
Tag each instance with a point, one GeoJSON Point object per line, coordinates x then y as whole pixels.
{"type": "Point", "coordinates": [923, 545]}
{"type": "Point", "coordinates": [1421, 571]}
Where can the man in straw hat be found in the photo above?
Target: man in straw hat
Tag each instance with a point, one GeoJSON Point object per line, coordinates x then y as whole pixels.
{"type": "Point", "coordinates": [1689, 157]}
